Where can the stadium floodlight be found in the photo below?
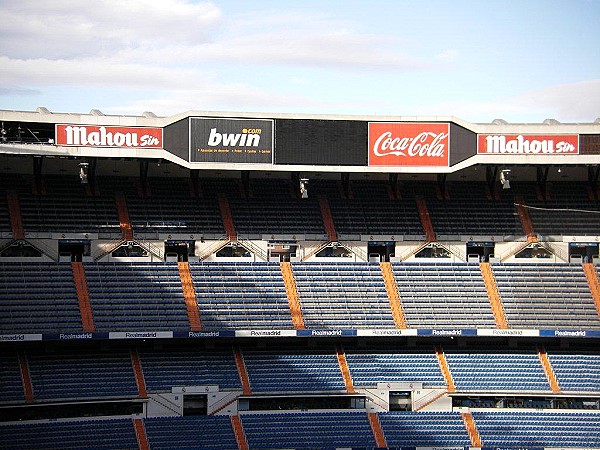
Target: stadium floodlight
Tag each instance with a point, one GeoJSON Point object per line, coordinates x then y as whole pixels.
{"type": "Point", "coordinates": [304, 187]}
{"type": "Point", "coordinates": [505, 178]}
{"type": "Point", "coordinates": [83, 172]}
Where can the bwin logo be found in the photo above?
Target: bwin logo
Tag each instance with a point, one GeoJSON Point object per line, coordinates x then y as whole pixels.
{"type": "Point", "coordinates": [248, 138]}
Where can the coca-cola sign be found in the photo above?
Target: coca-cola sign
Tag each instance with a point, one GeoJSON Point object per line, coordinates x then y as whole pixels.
{"type": "Point", "coordinates": [408, 144]}
{"type": "Point", "coordinates": [499, 144]}
{"type": "Point", "coordinates": [108, 136]}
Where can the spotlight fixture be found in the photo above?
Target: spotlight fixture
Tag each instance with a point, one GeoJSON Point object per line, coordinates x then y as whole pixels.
{"type": "Point", "coordinates": [304, 187]}
{"type": "Point", "coordinates": [505, 178]}
{"type": "Point", "coordinates": [83, 172]}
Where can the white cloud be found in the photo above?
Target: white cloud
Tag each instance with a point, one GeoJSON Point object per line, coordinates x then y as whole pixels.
{"type": "Point", "coordinates": [215, 96]}
{"type": "Point", "coordinates": [569, 102]}
{"type": "Point", "coordinates": [447, 55]}
{"type": "Point", "coordinates": [566, 103]}
{"type": "Point", "coordinates": [71, 28]}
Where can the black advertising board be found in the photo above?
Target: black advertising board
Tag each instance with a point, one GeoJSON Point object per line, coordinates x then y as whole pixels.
{"type": "Point", "coordinates": [321, 142]}
{"type": "Point", "coordinates": [231, 140]}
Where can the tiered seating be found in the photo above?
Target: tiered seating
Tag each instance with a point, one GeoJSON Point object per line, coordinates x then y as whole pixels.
{"type": "Point", "coordinates": [443, 295]}
{"type": "Point", "coordinates": [172, 209]}
{"type": "Point", "coordinates": [188, 367]}
{"type": "Point", "coordinates": [424, 429]}
{"type": "Point", "coordinates": [273, 210]}
{"type": "Point", "coordinates": [131, 296]}
{"type": "Point", "coordinates": [11, 385]}
{"type": "Point", "coordinates": [214, 187]}
{"type": "Point", "coordinates": [72, 374]}
{"type": "Point", "coordinates": [295, 371]}
{"type": "Point", "coordinates": [371, 212]}
{"type": "Point", "coordinates": [38, 298]}
{"type": "Point", "coordinates": [208, 432]}
{"type": "Point", "coordinates": [538, 429]}
{"type": "Point", "coordinates": [369, 367]}
{"type": "Point", "coordinates": [546, 296]}
{"type": "Point", "coordinates": [484, 372]}
{"type": "Point", "coordinates": [342, 295]}
{"type": "Point", "coordinates": [566, 212]}
{"type": "Point", "coordinates": [468, 212]}
{"type": "Point", "coordinates": [303, 431]}
{"type": "Point", "coordinates": [241, 295]}
{"type": "Point", "coordinates": [5, 226]}
{"type": "Point", "coordinates": [72, 435]}
{"type": "Point", "coordinates": [67, 208]}
{"type": "Point", "coordinates": [576, 372]}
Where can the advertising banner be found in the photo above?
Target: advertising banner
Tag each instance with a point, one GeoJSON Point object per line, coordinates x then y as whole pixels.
{"type": "Point", "coordinates": [527, 144]}
{"type": "Point", "coordinates": [409, 144]}
{"type": "Point", "coordinates": [231, 140]}
{"type": "Point", "coordinates": [108, 136]}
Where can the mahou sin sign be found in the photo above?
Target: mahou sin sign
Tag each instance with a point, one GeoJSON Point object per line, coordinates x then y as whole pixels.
{"type": "Point", "coordinates": [408, 144]}
{"type": "Point", "coordinates": [108, 136]}
{"type": "Point", "coordinates": [524, 144]}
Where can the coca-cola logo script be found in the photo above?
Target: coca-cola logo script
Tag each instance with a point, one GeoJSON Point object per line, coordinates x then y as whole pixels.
{"type": "Point", "coordinates": [408, 144]}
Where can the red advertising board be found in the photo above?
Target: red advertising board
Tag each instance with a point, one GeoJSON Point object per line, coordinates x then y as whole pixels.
{"type": "Point", "coordinates": [408, 144]}
{"type": "Point", "coordinates": [108, 136]}
{"type": "Point", "coordinates": [528, 144]}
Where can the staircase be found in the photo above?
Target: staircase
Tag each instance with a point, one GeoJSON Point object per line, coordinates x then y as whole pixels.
{"type": "Point", "coordinates": [26, 377]}
{"type": "Point", "coordinates": [227, 219]}
{"type": "Point", "coordinates": [392, 292]}
{"type": "Point", "coordinates": [138, 373]}
{"type": "Point", "coordinates": [292, 295]}
{"type": "Point", "coordinates": [526, 222]}
{"type": "Point", "coordinates": [548, 370]}
{"type": "Point", "coordinates": [83, 297]}
{"type": "Point", "coordinates": [124, 221]}
{"type": "Point", "coordinates": [189, 294]}
{"type": "Point", "coordinates": [493, 294]}
{"type": "Point", "coordinates": [445, 369]}
{"type": "Point", "coordinates": [241, 367]}
{"type": "Point", "coordinates": [140, 434]}
{"type": "Point", "coordinates": [471, 429]}
{"type": "Point", "coordinates": [238, 431]}
{"type": "Point", "coordinates": [425, 220]}
{"type": "Point", "coordinates": [341, 357]}
{"type": "Point", "coordinates": [328, 223]}
{"type": "Point", "coordinates": [14, 209]}
{"type": "Point", "coordinates": [377, 431]}
{"type": "Point", "coordinates": [593, 282]}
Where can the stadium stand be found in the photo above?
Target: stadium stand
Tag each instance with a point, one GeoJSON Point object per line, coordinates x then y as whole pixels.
{"type": "Point", "coordinates": [68, 375]}
{"type": "Point", "coordinates": [38, 297]}
{"type": "Point", "coordinates": [303, 430]}
{"type": "Point", "coordinates": [342, 295]}
{"type": "Point", "coordinates": [132, 342]}
{"type": "Point", "coordinates": [482, 372]}
{"type": "Point", "coordinates": [301, 371]}
{"type": "Point", "coordinates": [369, 367]}
{"type": "Point", "coordinates": [241, 295]}
{"type": "Point", "coordinates": [89, 434]}
{"type": "Point", "coordinates": [213, 432]}
{"type": "Point", "coordinates": [575, 372]}
{"type": "Point", "coordinates": [188, 367]}
{"type": "Point", "coordinates": [11, 384]}
{"type": "Point", "coordinates": [546, 296]}
{"type": "Point", "coordinates": [443, 295]}
{"type": "Point", "coordinates": [134, 297]}
{"type": "Point", "coordinates": [424, 429]}
{"type": "Point", "coordinates": [539, 429]}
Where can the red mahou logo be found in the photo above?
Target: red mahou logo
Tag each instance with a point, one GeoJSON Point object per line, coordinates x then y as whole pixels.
{"type": "Point", "coordinates": [408, 144]}
{"type": "Point", "coordinates": [108, 136]}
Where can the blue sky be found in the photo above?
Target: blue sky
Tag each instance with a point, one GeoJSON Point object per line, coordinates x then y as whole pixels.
{"type": "Point", "coordinates": [520, 60]}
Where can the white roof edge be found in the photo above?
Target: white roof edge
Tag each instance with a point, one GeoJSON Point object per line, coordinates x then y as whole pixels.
{"type": "Point", "coordinates": [146, 119]}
